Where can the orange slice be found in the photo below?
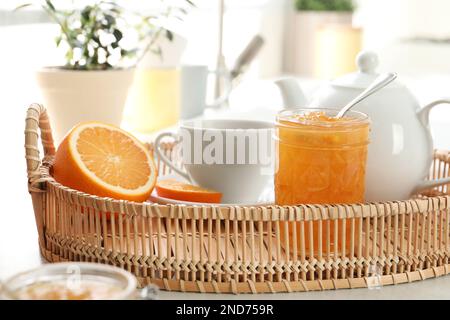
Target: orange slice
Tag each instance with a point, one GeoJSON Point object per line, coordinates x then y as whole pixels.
{"type": "Point", "coordinates": [176, 190]}
{"type": "Point", "coordinates": [106, 161]}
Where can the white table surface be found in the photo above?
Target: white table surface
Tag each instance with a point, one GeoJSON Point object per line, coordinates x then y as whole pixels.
{"type": "Point", "coordinates": [18, 235]}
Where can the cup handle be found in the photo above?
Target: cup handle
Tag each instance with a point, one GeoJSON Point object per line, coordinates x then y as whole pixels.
{"type": "Point", "coordinates": [224, 97]}
{"type": "Point", "coordinates": [164, 158]}
{"type": "Point", "coordinates": [424, 117]}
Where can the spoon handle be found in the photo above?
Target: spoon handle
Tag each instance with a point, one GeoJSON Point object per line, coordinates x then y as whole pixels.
{"type": "Point", "coordinates": [379, 83]}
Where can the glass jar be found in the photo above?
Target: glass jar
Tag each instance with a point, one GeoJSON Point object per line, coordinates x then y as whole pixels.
{"type": "Point", "coordinates": [320, 159]}
{"type": "Point", "coordinates": [75, 281]}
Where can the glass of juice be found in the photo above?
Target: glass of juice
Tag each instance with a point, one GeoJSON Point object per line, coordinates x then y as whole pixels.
{"type": "Point", "coordinates": [153, 101]}
{"type": "Point", "coordinates": [321, 160]}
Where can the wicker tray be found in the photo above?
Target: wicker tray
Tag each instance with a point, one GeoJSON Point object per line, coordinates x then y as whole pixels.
{"type": "Point", "coordinates": [240, 249]}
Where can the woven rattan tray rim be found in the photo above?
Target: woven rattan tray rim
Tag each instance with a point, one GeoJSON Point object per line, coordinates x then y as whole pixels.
{"type": "Point", "coordinates": [235, 287]}
{"type": "Point", "coordinates": [40, 183]}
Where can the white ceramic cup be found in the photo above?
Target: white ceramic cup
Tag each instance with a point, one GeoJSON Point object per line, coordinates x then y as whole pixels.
{"type": "Point", "coordinates": [234, 157]}
{"type": "Point", "coordinates": [194, 83]}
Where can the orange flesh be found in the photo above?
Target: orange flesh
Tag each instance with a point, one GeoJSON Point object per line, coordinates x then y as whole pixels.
{"type": "Point", "coordinates": [110, 155]}
{"type": "Point", "coordinates": [321, 160]}
{"type": "Point", "coordinates": [105, 161]}
{"type": "Point", "coordinates": [176, 190]}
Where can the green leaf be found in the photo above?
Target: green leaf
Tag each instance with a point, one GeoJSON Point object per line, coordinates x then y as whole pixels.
{"type": "Point", "coordinates": [86, 13]}
{"type": "Point", "coordinates": [50, 5]}
{"type": "Point", "coordinates": [324, 5]}
{"type": "Point", "coordinates": [110, 20]}
{"type": "Point", "coordinates": [123, 52]}
{"type": "Point", "coordinates": [169, 35]}
{"type": "Point", "coordinates": [117, 34]}
{"type": "Point", "coordinates": [58, 40]}
{"type": "Point", "coordinates": [128, 53]}
{"type": "Point", "coordinates": [69, 55]}
{"type": "Point", "coordinates": [191, 3]}
{"type": "Point", "coordinates": [22, 6]}
{"type": "Point", "coordinates": [116, 10]}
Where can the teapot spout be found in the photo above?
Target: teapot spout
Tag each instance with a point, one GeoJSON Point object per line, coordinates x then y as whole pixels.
{"type": "Point", "coordinates": [293, 96]}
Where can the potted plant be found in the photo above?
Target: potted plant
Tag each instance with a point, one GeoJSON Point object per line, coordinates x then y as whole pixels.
{"type": "Point", "coordinates": [100, 59]}
{"type": "Point", "coordinates": [308, 17]}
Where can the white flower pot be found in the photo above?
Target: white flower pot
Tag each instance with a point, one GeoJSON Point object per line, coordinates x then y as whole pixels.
{"type": "Point", "coordinates": [301, 38]}
{"type": "Point", "coordinates": [73, 96]}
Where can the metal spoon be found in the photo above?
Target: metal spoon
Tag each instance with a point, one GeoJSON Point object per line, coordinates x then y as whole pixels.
{"type": "Point", "coordinates": [380, 82]}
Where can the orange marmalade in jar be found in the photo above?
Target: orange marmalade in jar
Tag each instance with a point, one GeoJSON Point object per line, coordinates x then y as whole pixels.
{"type": "Point", "coordinates": [321, 160]}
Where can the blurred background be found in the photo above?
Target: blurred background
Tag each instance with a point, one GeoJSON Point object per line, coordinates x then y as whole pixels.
{"type": "Point", "coordinates": [302, 38]}
{"type": "Point", "coordinates": [411, 36]}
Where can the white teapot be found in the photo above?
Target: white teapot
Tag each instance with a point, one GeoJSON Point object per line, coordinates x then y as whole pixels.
{"type": "Point", "coordinates": [401, 147]}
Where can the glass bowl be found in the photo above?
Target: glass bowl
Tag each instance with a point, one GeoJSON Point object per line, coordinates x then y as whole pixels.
{"type": "Point", "coordinates": [75, 281]}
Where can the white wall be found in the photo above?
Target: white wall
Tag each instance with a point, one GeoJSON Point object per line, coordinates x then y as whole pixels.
{"type": "Point", "coordinates": [243, 19]}
{"type": "Point", "coordinates": [403, 18]}
{"type": "Point", "coordinates": [388, 24]}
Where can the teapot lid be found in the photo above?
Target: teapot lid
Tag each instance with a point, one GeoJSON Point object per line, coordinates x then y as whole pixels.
{"type": "Point", "coordinates": [367, 62]}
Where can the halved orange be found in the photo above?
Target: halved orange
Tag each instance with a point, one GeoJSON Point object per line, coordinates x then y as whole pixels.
{"type": "Point", "coordinates": [106, 161]}
{"type": "Point", "coordinates": [176, 190]}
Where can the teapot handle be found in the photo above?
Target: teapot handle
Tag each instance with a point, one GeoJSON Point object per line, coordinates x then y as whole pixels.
{"type": "Point", "coordinates": [424, 113]}
{"type": "Point", "coordinates": [424, 117]}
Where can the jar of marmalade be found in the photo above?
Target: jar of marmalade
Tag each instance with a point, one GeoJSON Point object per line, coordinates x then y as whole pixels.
{"type": "Point", "coordinates": [320, 159]}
